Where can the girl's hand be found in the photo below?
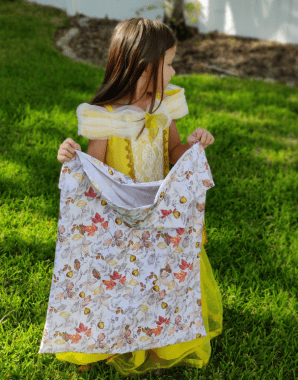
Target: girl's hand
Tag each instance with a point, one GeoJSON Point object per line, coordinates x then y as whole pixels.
{"type": "Point", "coordinates": [201, 135]}
{"type": "Point", "coordinates": [67, 150]}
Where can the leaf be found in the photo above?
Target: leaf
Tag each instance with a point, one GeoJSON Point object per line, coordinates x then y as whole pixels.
{"type": "Point", "coordinates": [77, 264]}
{"type": "Point", "coordinates": [75, 307]}
{"type": "Point", "coordinates": [65, 253]}
{"type": "Point", "coordinates": [97, 290]}
{"type": "Point", "coordinates": [90, 284]}
{"type": "Point", "coordinates": [91, 347]}
{"type": "Point", "coordinates": [136, 234]}
{"type": "Point", "coordinates": [178, 249]}
{"type": "Point", "coordinates": [171, 285]}
{"type": "Point", "coordinates": [144, 338]}
{"type": "Point", "coordinates": [128, 290]}
{"type": "Point", "coordinates": [136, 246]}
{"type": "Point", "coordinates": [81, 328]}
{"type": "Point", "coordinates": [111, 262]}
{"type": "Point", "coordinates": [185, 242]}
{"type": "Point", "coordinates": [91, 229]}
{"type": "Point", "coordinates": [108, 242]}
{"type": "Point", "coordinates": [162, 245]}
{"type": "Point", "coordinates": [78, 176]}
{"type": "Point", "coordinates": [175, 240]}
{"type": "Point", "coordinates": [151, 259]}
{"type": "Point", "coordinates": [64, 314]}
{"type": "Point", "coordinates": [180, 276]}
{"type": "Point", "coordinates": [118, 234]}
{"type": "Point", "coordinates": [59, 296]}
{"type": "Point", "coordinates": [109, 284]}
{"type": "Point", "coordinates": [75, 338]}
{"type": "Point", "coordinates": [64, 241]}
{"type": "Point", "coordinates": [81, 203]}
{"type": "Point", "coordinates": [90, 317]}
{"type": "Point", "coordinates": [86, 300]}
{"type": "Point", "coordinates": [59, 341]}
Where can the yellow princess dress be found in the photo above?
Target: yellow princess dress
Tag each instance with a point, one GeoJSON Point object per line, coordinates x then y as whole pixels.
{"type": "Point", "coordinates": [146, 160]}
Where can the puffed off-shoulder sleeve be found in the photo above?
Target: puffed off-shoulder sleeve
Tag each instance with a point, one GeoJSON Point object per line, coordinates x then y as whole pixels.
{"type": "Point", "coordinates": [175, 101]}
{"type": "Point", "coordinates": [93, 122]}
{"type": "Point", "coordinates": [97, 123]}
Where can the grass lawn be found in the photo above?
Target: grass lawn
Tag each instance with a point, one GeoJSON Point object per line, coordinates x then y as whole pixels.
{"type": "Point", "coordinates": [251, 213]}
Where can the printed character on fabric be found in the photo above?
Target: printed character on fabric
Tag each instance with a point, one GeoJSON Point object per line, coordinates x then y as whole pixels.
{"type": "Point", "coordinates": [127, 262]}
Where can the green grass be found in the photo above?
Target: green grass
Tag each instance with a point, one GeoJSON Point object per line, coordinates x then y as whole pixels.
{"type": "Point", "coordinates": [251, 213]}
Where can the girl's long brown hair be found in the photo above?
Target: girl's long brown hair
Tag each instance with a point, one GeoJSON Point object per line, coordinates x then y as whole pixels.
{"type": "Point", "coordinates": [135, 43]}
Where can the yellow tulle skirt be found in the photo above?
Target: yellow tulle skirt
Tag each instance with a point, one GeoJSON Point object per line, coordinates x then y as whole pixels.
{"type": "Point", "coordinates": [194, 353]}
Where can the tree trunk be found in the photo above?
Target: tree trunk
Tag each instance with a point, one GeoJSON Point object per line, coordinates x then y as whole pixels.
{"type": "Point", "coordinates": [177, 22]}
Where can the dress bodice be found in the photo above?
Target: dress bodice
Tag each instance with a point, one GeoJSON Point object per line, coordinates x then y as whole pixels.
{"type": "Point", "coordinates": [145, 159]}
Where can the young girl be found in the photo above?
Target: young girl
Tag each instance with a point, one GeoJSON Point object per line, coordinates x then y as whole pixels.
{"type": "Point", "coordinates": [127, 134]}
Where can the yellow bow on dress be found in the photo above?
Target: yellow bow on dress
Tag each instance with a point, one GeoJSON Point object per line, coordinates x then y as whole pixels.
{"type": "Point", "coordinates": [153, 122]}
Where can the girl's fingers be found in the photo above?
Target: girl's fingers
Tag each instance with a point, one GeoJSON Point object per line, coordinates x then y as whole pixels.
{"type": "Point", "coordinates": [65, 154]}
{"type": "Point", "coordinates": [70, 141]}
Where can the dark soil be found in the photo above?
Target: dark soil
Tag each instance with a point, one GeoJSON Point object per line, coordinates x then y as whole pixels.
{"type": "Point", "coordinates": [216, 53]}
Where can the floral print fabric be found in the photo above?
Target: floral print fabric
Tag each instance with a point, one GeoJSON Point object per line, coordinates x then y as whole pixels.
{"type": "Point", "coordinates": [127, 263]}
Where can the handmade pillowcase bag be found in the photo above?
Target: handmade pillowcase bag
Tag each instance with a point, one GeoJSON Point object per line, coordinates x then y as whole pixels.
{"type": "Point", "coordinates": [128, 256]}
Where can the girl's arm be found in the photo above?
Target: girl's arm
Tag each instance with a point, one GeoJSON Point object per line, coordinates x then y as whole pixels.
{"type": "Point", "coordinates": [98, 149]}
{"type": "Point", "coordinates": [176, 147]}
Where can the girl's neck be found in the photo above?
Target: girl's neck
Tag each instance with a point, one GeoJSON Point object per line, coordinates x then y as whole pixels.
{"type": "Point", "coordinates": [142, 103]}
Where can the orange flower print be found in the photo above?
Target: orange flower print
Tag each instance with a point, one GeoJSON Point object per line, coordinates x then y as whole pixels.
{"type": "Point", "coordinates": [184, 265]}
{"type": "Point", "coordinates": [74, 338]}
{"type": "Point", "coordinates": [165, 213]}
{"type": "Point", "coordinates": [163, 320]}
{"type": "Point", "coordinates": [180, 230]}
{"type": "Point", "coordinates": [84, 329]}
{"type": "Point", "coordinates": [91, 193]}
{"type": "Point", "coordinates": [99, 219]}
{"type": "Point", "coordinates": [90, 229]}
{"type": "Point", "coordinates": [81, 328]}
{"type": "Point", "coordinates": [175, 240]}
{"type": "Point", "coordinates": [117, 276]}
{"type": "Point", "coordinates": [157, 331]}
{"type": "Point", "coordinates": [180, 276]}
{"type": "Point", "coordinates": [105, 225]}
{"type": "Point", "coordinates": [109, 284]}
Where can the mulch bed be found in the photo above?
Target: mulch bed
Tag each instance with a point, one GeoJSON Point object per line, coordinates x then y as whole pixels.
{"type": "Point", "coordinates": [216, 53]}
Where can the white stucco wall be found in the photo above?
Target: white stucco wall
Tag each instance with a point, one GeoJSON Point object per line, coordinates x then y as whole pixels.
{"type": "Point", "coordinates": [273, 20]}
